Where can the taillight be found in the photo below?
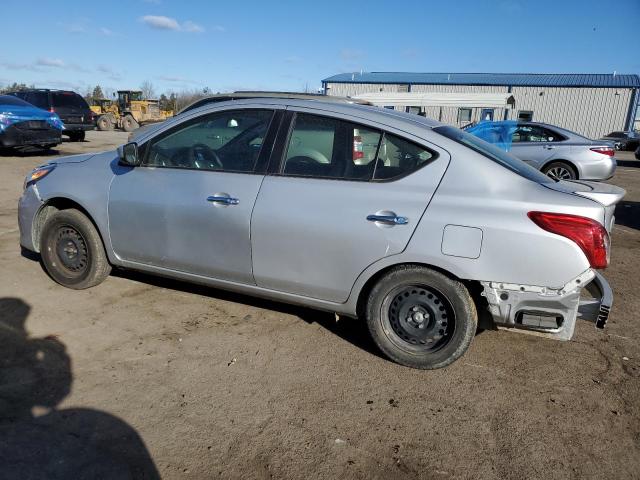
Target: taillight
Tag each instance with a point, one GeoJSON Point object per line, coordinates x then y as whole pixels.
{"type": "Point", "coordinates": [588, 234]}
{"type": "Point", "coordinates": [358, 151]}
{"type": "Point", "coordinates": [52, 110]}
{"type": "Point", "coordinates": [608, 151]}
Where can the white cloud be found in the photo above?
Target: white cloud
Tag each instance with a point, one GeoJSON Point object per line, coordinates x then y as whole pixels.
{"type": "Point", "coordinates": [50, 62]}
{"type": "Point", "coordinates": [192, 27]}
{"type": "Point", "coordinates": [105, 31]}
{"type": "Point", "coordinates": [160, 22]}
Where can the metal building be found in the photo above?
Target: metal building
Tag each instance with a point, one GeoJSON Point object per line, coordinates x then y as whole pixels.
{"type": "Point", "coordinates": [590, 104]}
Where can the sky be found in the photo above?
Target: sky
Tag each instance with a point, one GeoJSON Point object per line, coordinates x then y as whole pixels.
{"type": "Point", "coordinates": [288, 45]}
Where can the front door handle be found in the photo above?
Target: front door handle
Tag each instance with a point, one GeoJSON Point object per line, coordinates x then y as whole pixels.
{"type": "Point", "coordinates": [223, 200]}
{"type": "Point", "coordinates": [549, 147]}
{"type": "Point", "coordinates": [388, 219]}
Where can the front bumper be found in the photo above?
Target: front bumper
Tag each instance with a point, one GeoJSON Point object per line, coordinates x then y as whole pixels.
{"type": "Point", "coordinates": [13, 136]}
{"type": "Point", "coordinates": [548, 312]}
{"type": "Point", "coordinates": [28, 207]}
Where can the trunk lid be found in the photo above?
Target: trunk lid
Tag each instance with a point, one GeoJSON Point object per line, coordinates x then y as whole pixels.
{"type": "Point", "coordinates": [603, 193]}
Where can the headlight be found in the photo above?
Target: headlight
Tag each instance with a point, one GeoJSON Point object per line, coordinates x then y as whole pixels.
{"type": "Point", "coordinates": [5, 121]}
{"type": "Point", "coordinates": [38, 174]}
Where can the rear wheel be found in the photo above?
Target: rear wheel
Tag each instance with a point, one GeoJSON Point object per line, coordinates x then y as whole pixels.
{"type": "Point", "coordinates": [420, 318]}
{"type": "Point", "coordinates": [560, 171]}
{"type": "Point", "coordinates": [129, 123]}
{"type": "Point", "coordinates": [72, 251]}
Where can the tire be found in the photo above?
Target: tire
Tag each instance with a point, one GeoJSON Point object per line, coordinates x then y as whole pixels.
{"type": "Point", "coordinates": [560, 171]}
{"type": "Point", "coordinates": [72, 251]}
{"type": "Point", "coordinates": [129, 124]}
{"type": "Point", "coordinates": [440, 322]}
{"type": "Point", "coordinates": [104, 123]}
{"type": "Point", "coordinates": [77, 136]}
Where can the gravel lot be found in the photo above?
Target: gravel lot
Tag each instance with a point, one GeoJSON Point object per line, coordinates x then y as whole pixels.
{"type": "Point", "coordinates": [207, 384]}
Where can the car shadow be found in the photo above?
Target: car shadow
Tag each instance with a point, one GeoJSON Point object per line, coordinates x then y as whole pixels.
{"type": "Point", "coordinates": [28, 152]}
{"type": "Point", "coordinates": [628, 214]}
{"type": "Point", "coordinates": [628, 163]}
{"type": "Point", "coordinates": [350, 330]}
{"type": "Point", "coordinates": [39, 440]}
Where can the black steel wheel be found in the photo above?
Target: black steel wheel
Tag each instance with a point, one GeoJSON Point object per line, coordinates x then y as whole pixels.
{"type": "Point", "coordinates": [421, 318]}
{"type": "Point", "coordinates": [72, 251]}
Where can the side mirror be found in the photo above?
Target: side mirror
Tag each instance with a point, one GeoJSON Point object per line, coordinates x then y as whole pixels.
{"type": "Point", "coordinates": [128, 155]}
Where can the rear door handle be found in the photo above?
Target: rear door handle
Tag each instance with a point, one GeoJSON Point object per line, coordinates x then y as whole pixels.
{"type": "Point", "coordinates": [223, 200]}
{"type": "Point", "coordinates": [549, 147]}
{"type": "Point", "coordinates": [388, 219]}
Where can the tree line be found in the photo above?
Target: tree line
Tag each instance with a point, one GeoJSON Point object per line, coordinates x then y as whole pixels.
{"type": "Point", "coordinates": [170, 100]}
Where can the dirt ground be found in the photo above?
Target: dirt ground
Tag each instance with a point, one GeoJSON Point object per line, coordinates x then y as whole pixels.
{"type": "Point", "coordinates": [199, 383]}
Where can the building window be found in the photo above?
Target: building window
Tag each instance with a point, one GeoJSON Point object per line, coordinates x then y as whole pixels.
{"type": "Point", "coordinates": [403, 88]}
{"type": "Point", "coordinates": [525, 115]}
{"type": "Point", "coordinates": [389, 107]}
{"type": "Point", "coordinates": [414, 110]}
{"type": "Point", "coordinates": [464, 115]}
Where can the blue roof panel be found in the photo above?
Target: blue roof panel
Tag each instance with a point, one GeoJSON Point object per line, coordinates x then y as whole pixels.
{"type": "Point", "coordinates": [500, 79]}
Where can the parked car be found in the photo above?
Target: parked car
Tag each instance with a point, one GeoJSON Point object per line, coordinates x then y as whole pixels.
{"type": "Point", "coordinates": [627, 141]}
{"type": "Point", "coordinates": [22, 124]}
{"type": "Point", "coordinates": [70, 107]}
{"type": "Point", "coordinates": [557, 152]}
{"type": "Point", "coordinates": [287, 199]}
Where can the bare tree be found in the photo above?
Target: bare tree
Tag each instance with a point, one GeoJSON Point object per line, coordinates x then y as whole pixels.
{"type": "Point", "coordinates": [148, 90]}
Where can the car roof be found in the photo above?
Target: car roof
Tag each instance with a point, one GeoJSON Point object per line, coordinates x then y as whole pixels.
{"type": "Point", "coordinates": [407, 122]}
{"type": "Point", "coordinates": [241, 94]}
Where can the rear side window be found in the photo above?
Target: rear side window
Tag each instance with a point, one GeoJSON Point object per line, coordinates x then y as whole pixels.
{"type": "Point", "coordinates": [535, 133]}
{"type": "Point", "coordinates": [329, 148]}
{"type": "Point", "coordinates": [323, 147]}
{"type": "Point", "coordinates": [68, 99]}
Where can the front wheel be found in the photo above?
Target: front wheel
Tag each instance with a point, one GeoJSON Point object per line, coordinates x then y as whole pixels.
{"type": "Point", "coordinates": [72, 251]}
{"type": "Point", "coordinates": [420, 318]}
{"type": "Point", "coordinates": [129, 123]}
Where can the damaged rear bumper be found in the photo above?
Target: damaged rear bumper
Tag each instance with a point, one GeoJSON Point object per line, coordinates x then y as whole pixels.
{"type": "Point", "coordinates": [550, 312]}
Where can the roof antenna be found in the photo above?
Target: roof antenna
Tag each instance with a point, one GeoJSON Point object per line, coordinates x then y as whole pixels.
{"type": "Point", "coordinates": [353, 76]}
{"type": "Point", "coordinates": [361, 72]}
{"type": "Point", "coordinates": [448, 77]}
{"type": "Point", "coordinates": [614, 73]}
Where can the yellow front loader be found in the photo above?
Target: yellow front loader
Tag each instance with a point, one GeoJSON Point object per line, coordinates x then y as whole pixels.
{"type": "Point", "coordinates": [129, 111]}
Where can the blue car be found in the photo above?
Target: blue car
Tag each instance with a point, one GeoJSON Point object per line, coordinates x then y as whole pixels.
{"type": "Point", "coordinates": [22, 124]}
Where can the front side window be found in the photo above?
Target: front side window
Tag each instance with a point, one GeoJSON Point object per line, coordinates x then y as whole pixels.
{"type": "Point", "coordinates": [69, 100]}
{"type": "Point", "coordinates": [325, 147]}
{"type": "Point", "coordinates": [227, 141]}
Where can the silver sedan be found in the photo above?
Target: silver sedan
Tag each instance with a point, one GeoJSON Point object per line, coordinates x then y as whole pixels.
{"type": "Point", "coordinates": [413, 226]}
{"type": "Point", "coordinates": [557, 152]}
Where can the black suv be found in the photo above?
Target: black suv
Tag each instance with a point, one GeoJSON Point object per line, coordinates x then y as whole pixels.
{"type": "Point", "coordinates": [72, 109]}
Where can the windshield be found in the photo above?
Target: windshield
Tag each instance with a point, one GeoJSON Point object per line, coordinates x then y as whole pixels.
{"type": "Point", "coordinates": [494, 153]}
{"type": "Point", "coordinates": [13, 101]}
